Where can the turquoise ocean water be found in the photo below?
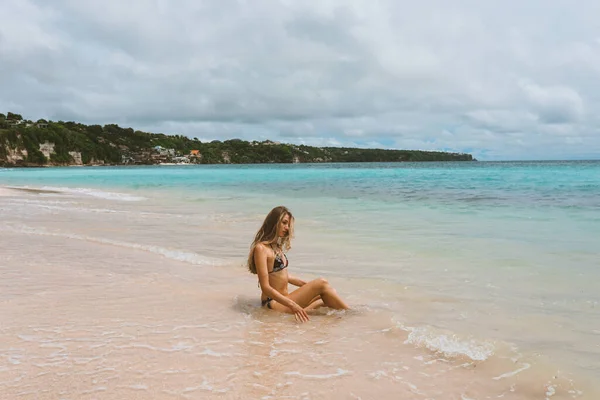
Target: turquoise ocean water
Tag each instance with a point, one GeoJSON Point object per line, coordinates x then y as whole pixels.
{"type": "Point", "coordinates": [506, 217]}
{"type": "Point", "coordinates": [502, 250]}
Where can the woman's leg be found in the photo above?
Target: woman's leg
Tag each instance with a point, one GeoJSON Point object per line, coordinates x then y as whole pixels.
{"type": "Point", "coordinates": [306, 294]}
{"type": "Point", "coordinates": [314, 305]}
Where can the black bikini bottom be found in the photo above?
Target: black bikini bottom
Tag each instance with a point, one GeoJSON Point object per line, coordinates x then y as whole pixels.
{"type": "Point", "coordinates": [266, 302]}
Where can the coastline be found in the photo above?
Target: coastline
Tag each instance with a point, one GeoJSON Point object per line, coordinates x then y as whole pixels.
{"type": "Point", "coordinates": [126, 165]}
{"type": "Point", "coordinates": [27, 144]}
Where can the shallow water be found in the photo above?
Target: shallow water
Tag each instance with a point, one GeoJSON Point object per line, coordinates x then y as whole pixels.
{"type": "Point", "coordinates": [129, 283]}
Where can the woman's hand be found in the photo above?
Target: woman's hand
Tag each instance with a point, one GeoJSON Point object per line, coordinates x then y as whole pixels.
{"type": "Point", "coordinates": [299, 313]}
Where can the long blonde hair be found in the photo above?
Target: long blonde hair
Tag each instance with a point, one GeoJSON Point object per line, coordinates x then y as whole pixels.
{"type": "Point", "coordinates": [267, 234]}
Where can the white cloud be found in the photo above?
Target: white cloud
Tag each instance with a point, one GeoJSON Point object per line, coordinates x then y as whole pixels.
{"type": "Point", "coordinates": [497, 79]}
{"type": "Point", "coordinates": [556, 104]}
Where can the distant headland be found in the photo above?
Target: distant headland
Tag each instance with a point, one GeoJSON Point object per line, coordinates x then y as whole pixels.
{"type": "Point", "coordinates": [27, 143]}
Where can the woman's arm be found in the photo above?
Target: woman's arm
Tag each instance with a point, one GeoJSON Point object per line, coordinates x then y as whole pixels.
{"type": "Point", "coordinates": [296, 281]}
{"type": "Point", "coordinates": [260, 259]}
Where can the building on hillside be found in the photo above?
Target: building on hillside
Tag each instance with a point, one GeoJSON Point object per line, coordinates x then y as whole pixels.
{"type": "Point", "coordinates": [163, 152]}
{"type": "Point", "coordinates": [181, 160]}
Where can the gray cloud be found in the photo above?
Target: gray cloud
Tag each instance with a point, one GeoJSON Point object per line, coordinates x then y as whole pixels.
{"type": "Point", "coordinates": [502, 80]}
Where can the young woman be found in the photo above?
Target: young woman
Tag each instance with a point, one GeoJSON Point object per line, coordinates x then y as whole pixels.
{"type": "Point", "coordinates": [268, 260]}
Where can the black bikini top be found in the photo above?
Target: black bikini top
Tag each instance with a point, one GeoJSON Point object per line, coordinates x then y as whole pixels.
{"type": "Point", "coordinates": [278, 263]}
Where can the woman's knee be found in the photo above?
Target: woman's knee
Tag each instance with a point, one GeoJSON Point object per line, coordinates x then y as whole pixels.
{"type": "Point", "coordinates": [322, 283]}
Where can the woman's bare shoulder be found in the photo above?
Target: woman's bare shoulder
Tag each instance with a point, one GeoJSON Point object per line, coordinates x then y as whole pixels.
{"type": "Point", "coordinates": [262, 247]}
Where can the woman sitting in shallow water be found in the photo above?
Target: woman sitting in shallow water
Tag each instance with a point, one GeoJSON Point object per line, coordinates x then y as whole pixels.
{"type": "Point", "coordinates": [268, 260]}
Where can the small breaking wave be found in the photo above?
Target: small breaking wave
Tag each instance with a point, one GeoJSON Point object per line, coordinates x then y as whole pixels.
{"type": "Point", "coordinates": [81, 191]}
{"type": "Point", "coordinates": [71, 206]}
{"type": "Point", "coordinates": [178, 255]}
{"type": "Point", "coordinates": [449, 345]}
{"type": "Point", "coordinates": [51, 206]}
{"type": "Point", "coordinates": [43, 202]}
{"type": "Point", "coordinates": [97, 193]}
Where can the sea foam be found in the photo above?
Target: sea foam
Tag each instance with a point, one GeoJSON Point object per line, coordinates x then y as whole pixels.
{"type": "Point", "coordinates": [450, 345]}
{"type": "Point", "coordinates": [82, 191]}
{"type": "Point", "coordinates": [173, 254]}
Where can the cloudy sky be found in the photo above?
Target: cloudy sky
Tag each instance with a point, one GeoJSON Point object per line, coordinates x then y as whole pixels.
{"type": "Point", "coordinates": [498, 79]}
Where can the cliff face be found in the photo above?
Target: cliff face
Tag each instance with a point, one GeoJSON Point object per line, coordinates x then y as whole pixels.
{"type": "Point", "coordinates": [19, 156]}
{"type": "Point", "coordinates": [15, 156]}
{"type": "Point", "coordinates": [69, 143]}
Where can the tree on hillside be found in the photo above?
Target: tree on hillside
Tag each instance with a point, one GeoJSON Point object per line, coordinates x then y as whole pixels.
{"type": "Point", "coordinates": [15, 117]}
{"type": "Point", "coordinates": [95, 130]}
{"type": "Point", "coordinates": [111, 144]}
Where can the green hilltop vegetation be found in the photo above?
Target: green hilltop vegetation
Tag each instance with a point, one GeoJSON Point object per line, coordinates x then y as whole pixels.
{"type": "Point", "coordinates": [39, 143]}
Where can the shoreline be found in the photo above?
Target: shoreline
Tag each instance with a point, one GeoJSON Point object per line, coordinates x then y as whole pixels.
{"type": "Point", "coordinates": [8, 190]}
{"type": "Point", "coordinates": [8, 166]}
{"type": "Point", "coordinates": [550, 161]}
